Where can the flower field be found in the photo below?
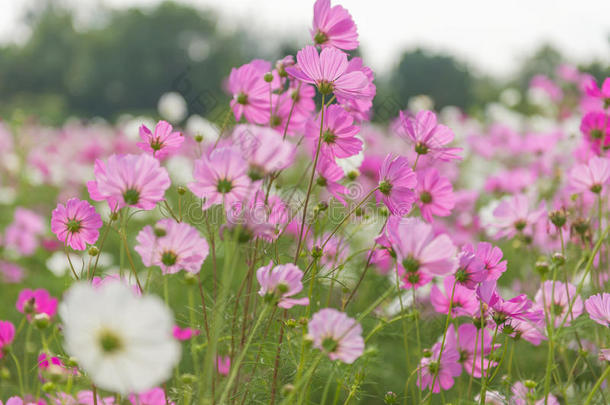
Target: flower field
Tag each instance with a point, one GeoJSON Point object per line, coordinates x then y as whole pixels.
{"type": "Point", "coordinates": [292, 251]}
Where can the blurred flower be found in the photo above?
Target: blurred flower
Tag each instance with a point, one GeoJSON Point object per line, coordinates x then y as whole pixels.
{"type": "Point", "coordinates": [23, 233]}
{"type": "Point", "coordinates": [223, 365]}
{"type": "Point", "coordinates": [555, 297]}
{"type": "Point", "coordinates": [184, 333]}
{"type": "Point", "coordinates": [33, 302]}
{"type": "Point", "coordinates": [592, 176]}
{"type": "Point", "coordinates": [7, 334]}
{"type": "Point", "coordinates": [172, 107]}
{"type": "Point", "coordinates": [338, 335]}
{"type": "Point", "coordinates": [154, 396]}
{"type": "Point", "coordinates": [465, 302]}
{"type": "Point", "coordinates": [440, 369]}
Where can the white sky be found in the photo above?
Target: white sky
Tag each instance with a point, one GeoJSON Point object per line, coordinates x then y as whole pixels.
{"type": "Point", "coordinates": [491, 35]}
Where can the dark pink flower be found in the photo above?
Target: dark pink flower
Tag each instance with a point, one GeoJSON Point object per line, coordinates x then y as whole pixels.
{"type": "Point", "coordinates": [338, 335]}
{"type": "Point", "coordinates": [163, 142]}
{"type": "Point", "coordinates": [519, 307]}
{"type": "Point", "coordinates": [279, 283]}
{"type": "Point", "coordinates": [428, 136]}
{"type": "Point", "coordinates": [250, 92]}
{"type": "Point", "coordinates": [129, 180]}
{"type": "Point", "coordinates": [595, 125]}
{"type": "Point", "coordinates": [465, 302]}
{"type": "Point", "coordinates": [154, 396]}
{"type": "Point", "coordinates": [76, 223]}
{"type": "Point", "coordinates": [435, 194]}
{"type": "Point", "coordinates": [471, 269]}
{"type": "Point", "coordinates": [184, 333]}
{"type": "Point", "coordinates": [328, 71]}
{"type": "Point", "coordinates": [467, 336]}
{"type": "Point", "coordinates": [38, 301]}
{"type": "Point", "coordinates": [396, 184]}
{"type": "Point", "coordinates": [7, 334]}
{"type": "Point", "coordinates": [338, 138]}
{"type": "Point", "coordinates": [491, 256]}
{"type": "Point", "coordinates": [333, 26]}
{"type": "Point", "coordinates": [602, 92]}
{"type": "Point", "coordinates": [223, 365]}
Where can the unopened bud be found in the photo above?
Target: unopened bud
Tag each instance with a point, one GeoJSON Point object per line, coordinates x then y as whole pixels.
{"type": "Point", "coordinates": [268, 77]}
{"type": "Point", "coordinates": [390, 397]}
{"type": "Point", "coordinates": [48, 387]}
{"type": "Point", "coordinates": [190, 279]}
{"type": "Point", "coordinates": [181, 190]}
{"type": "Point", "coordinates": [542, 267]}
{"type": "Point", "coordinates": [198, 138]}
{"type": "Point", "coordinates": [558, 218]}
{"type": "Point", "coordinates": [316, 252]}
{"type": "Point", "coordinates": [427, 353]}
{"type": "Point", "coordinates": [93, 251]}
{"type": "Point", "coordinates": [287, 389]}
{"type": "Point", "coordinates": [559, 259]}
{"type": "Point", "coordinates": [530, 384]}
{"type": "Point", "coordinates": [187, 378]}
{"type": "Point", "coordinates": [42, 321]}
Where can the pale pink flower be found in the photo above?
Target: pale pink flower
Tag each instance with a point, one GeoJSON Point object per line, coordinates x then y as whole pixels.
{"type": "Point", "coordinates": [492, 260]}
{"type": "Point", "coordinates": [23, 233]}
{"type": "Point", "coordinates": [129, 180]}
{"type": "Point", "coordinates": [465, 303]}
{"type": "Point", "coordinates": [338, 138]}
{"type": "Point", "coordinates": [10, 272]}
{"type": "Point", "coordinates": [435, 194]}
{"type": "Point", "coordinates": [360, 107]}
{"type": "Point", "coordinates": [173, 246]}
{"type": "Point", "coordinates": [333, 26]}
{"type": "Point", "coordinates": [86, 398]}
{"type": "Point", "coordinates": [154, 396]}
{"type": "Point", "coordinates": [514, 215]}
{"type": "Point", "coordinates": [279, 283]}
{"type": "Point", "coordinates": [221, 178]}
{"type": "Point", "coordinates": [598, 308]}
{"type": "Point", "coordinates": [338, 335]}
{"type": "Point", "coordinates": [38, 301]}
{"type": "Point", "coordinates": [329, 175]}
{"type": "Point", "coordinates": [396, 184]}
{"type": "Point", "coordinates": [163, 142]}
{"type": "Point", "coordinates": [428, 136]}
{"type": "Point", "coordinates": [223, 365]}
{"type": "Point", "coordinates": [76, 223]}
{"type": "Point", "coordinates": [417, 248]}
{"type": "Point", "coordinates": [592, 176]}
{"type": "Point", "coordinates": [522, 396]}
{"type": "Point", "coordinates": [328, 71]}
{"type": "Point", "coordinates": [184, 333]}
{"type": "Point", "coordinates": [250, 92]}
{"type": "Point", "coordinates": [467, 336]}
{"type": "Point", "coordinates": [264, 149]}
{"type": "Point", "coordinates": [555, 297]}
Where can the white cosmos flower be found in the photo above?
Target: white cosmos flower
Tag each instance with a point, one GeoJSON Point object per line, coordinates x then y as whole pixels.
{"type": "Point", "coordinates": [122, 341]}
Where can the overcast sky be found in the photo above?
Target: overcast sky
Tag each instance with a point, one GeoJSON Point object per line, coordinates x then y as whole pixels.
{"type": "Point", "coordinates": [491, 35]}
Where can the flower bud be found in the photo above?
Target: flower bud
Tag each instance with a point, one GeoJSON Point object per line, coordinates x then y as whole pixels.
{"type": "Point", "coordinates": [542, 267]}
{"type": "Point", "coordinates": [42, 321]}
{"type": "Point", "coordinates": [181, 190]}
{"type": "Point", "coordinates": [558, 259]}
{"type": "Point", "coordinates": [530, 384]}
{"type": "Point", "coordinates": [48, 387]}
{"type": "Point", "coordinates": [558, 218]}
{"type": "Point", "coordinates": [187, 378]}
{"type": "Point", "coordinates": [190, 279]}
{"type": "Point", "coordinates": [268, 77]}
{"type": "Point", "coordinates": [93, 251]}
{"type": "Point", "coordinates": [198, 138]}
{"type": "Point", "coordinates": [316, 252]}
{"type": "Point", "coordinates": [287, 389]}
{"type": "Point", "coordinates": [390, 398]}
{"type": "Point", "coordinates": [426, 353]}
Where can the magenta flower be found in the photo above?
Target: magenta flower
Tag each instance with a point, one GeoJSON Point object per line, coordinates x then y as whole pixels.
{"type": "Point", "coordinates": [467, 338]}
{"type": "Point", "coordinates": [359, 107]}
{"type": "Point", "coordinates": [519, 307]}
{"type": "Point", "coordinates": [417, 248]}
{"type": "Point", "coordinates": [338, 335]}
{"type": "Point", "coordinates": [428, 136]}
{"type": "Point", "coordinates": [435, 194]}
{"type": "Point", "coordinates": [76, 223]}
{"type": "Point", "coordinates": [598, 308]}
{"type": "Point", "coordinates": [471, 269]}
{"type": "Point", "coordinates": [264, 149]}
{"type": "Point", "coordinates": [129, 180]}
{"type": "Point", "coordinates": [445, 370]}
{"type": "Point", "coordinates": [279, 283]}
{"type": "Point", "coordinates": [36, 302]}
{"type": "Point", "coordinates": [250, 92]}
{"type": "Point", "coordinates": [465, 302]}
{"type": "Point", "coordinates": [7, 334]}
{"type": "Point", "coordinates": [329, 175]}
{"type": "Point", "coordinates": [492, 260]}
{"type": "Point", "coordinates": [163, 142]}
{"type": "Point", "coordinates": [221, 178]}
{"type": "Point", "coordinates": [223, 365]}
{"type": "Point", "coordinates": [184, 333]}
{"type": "Point", "coordinates": [154, 396]}
{"type": "Point", "coordinates": [557, 298]}
{"type": "Point", "coordinates": [173, 246]}
{"type": "Point", "coordinates": [602, 92]}
{"type": "Point", "coordinates": [338, 134]}
{"type": "Point", "coordinates": [328, 71]}
{"type": "Point", "coordinates": [592, 176]}
{"type": "Point", "coordinates": [333, 26]}
{"type": "Point", "coordinates": [396, 184]}
{"type": "Point", "coordinates": [514, 215]}
{"type": "Point", "coordinates": [595, 125]}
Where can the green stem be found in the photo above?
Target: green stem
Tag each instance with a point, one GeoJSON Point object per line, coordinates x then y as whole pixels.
{"type": "Point", "coordinates": [599, 382]}
{"type": "Point", "coordinates": [19, 375]}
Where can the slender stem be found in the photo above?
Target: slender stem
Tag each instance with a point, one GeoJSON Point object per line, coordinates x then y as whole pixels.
{"type": "Point", "coordinates": [130, 259]}
{"type": "Point", "coordinates": [94, 392]}
{"type": "Point", "coordinates": [294, 101]}
{"type": "Point", "coordinates": [313, 174]}
{"type": "Point", "coordinates": [599, 382]}
{"type": "Point", "coordinates": [276, 365]}
{"type": "Point", "coordinates": [70, 262]}
{"type": "Point", "coordinates": [19, 375]}
{"type": "Point", "coordinates": [97, 258]}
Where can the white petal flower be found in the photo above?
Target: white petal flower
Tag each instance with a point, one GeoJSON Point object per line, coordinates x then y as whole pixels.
{"type": "Point", "coordinates": [122, 341]}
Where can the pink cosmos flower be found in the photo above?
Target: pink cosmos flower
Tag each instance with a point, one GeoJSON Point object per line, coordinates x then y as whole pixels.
{"type": "Point", "coordinates": [491, 256]}
{"type": "Point", "coordinates": [523, 396]}
{"type": "Point", "coordinates": [163, 142]}
{"type": "Point", "coordinates": [22, 235]}
{"type": "Point", "coordinates": [329, 175]}
{"type": "Point", "coordinates": [154, 396]}
{"type": "Point", "coordinates": [76, 223]}
{"type": "Point", "coordinates": [10, 272]}
{"type": "Point", "coordinates": [501, 310]}
{"type": "Point", "coordinates": [396, 184]}
{"type": "Point", "coordinates": [602, 92]}
{"type": "Point", "coordinates": [86, 398]}
{"type": "Point", "coordinates": [445, 370]}
{"type": "Point", "coordinates": [328, 71]}
{"type": "Point", "coordinates": [592, 176]}
{"type": "Point", "coordinates": [338, 133]}
{"type": "Point", "coordinates": [413, 279]}
{"type": "Point", "coordinates": [184, 333]}
{"type": "Point", "coordinates": [7, 334]}
{"type": "Point", "coordinates": [97, 282]}
{"type": "Point", "coordinates": [467, 336]}
{"type": "Point", "coordinates": [256, 218]}
{"type": "Point", "coordinates": [333, 26]}
{"type": "Point", "coordinates": [173, 246]}
{"type": "Point", "coordinates": [557, 298]}
{"type": "Point", "coordinates": [417, 248]}
{"type": "Point", "coordinates": [428, 136]}
{"type": "Point", "coordinates": [595, 125]}
{"type": "Point", "coordinates": [19, 401]}
{"type": "Point", "coordinates": [279, 283]}
{"type": "Point", "coordinates": [598, 308]}
{"type": "Point", "coordinates": [38, 301]}
{"type": "Point", "coordinates": [435, 194]}
{"type": "Point", "coordinates": [129, 180]}
{"type": "Point", "coordinates": [250, 92]}
{"type": "Point", "coordinates": [545, 84]}
{"type": "Point", "coordinates": [471, 269]}
{"type": "Point", "coordinates": [221, 177]}
{"type": "Point", "coordinates": [514, 215]}
{"type": "Point", "coordinates": [264, 149]}
{"type": "Point", "coordinates": [359, 107]}
{"type": "Point", "coordinates": [338, 335]}
{"type": "Point", "coordinates": [465, 302]}
{"type": "Point", "coordinates": [223, 365]}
